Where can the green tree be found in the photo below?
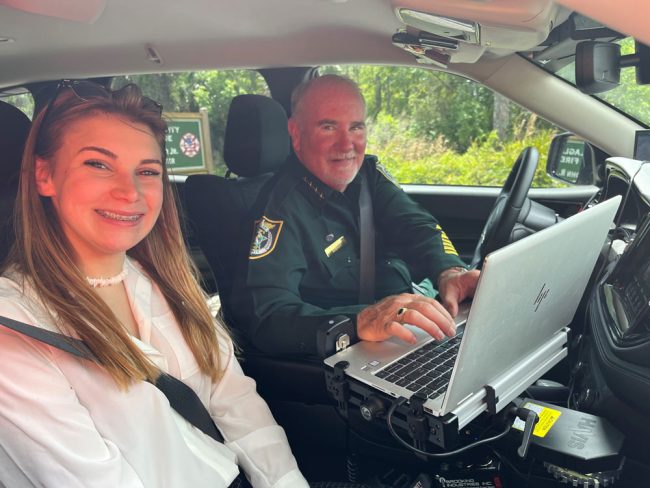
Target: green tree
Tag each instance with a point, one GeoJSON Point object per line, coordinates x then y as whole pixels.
{"type": "Point", "coordinates": [433, 127]}
{"type": "Point", "coordinates": [188, 92]}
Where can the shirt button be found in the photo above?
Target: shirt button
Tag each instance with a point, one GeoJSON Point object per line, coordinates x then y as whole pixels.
{"type": "Point", "coordinates": [329, 237]}
{"type": "Point", "coordinates": [349, 260]}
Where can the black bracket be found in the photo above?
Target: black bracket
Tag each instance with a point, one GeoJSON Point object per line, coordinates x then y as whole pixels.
{"type": "Point", "coordinates": [416, 421]}
{"type": "Point", "coordinates": [338, 386]}
{"type": "Point", "coordinates": [329, 339]}
{"type": "Point", "coordinates": [491, 399]}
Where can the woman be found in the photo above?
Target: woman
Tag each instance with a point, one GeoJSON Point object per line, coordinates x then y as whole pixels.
{"type": "Point", "coordinates": [99, 256]}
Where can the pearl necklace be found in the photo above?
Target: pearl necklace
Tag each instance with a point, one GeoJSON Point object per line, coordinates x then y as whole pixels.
{"type": "Point", "coordinates": [110, 281]}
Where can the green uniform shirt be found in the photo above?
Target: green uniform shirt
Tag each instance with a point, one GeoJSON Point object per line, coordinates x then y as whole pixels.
{"type": "Point", "coordinates": [303, 266]}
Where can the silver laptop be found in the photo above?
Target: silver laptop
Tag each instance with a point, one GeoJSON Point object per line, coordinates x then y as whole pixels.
{"type": "Point", "coordinates": [514, 331]}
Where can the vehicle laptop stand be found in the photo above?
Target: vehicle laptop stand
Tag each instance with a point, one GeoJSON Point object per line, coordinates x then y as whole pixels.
{"type": "Point", "coordinates": [514, 331]}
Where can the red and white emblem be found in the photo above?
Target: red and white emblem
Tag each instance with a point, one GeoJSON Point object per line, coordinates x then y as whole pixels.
{"type": "Point", "coordinates": [190, 145]}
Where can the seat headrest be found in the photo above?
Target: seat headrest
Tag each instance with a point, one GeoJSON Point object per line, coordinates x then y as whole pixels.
{"type": "Point", "coordinates": [14, 127]}
{"type": "Point", "coordinates": [257, 138]}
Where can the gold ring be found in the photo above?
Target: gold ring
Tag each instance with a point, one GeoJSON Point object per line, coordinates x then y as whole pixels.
{"type": "Point", "coordinates": [401, 312]}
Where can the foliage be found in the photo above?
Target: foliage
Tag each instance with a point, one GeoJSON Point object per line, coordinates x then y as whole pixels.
{"type": "Point", "coordinates": [437, 104]}
{"type": "Point", "coordinates": [187, 92]}
{"type": "Point", "coordinates": [486, 162]}
{"type": "Point", "coordinates": [23, 102]}
{"type": "Point", "coordinates": [443, 135]}
{"type": "Point", "coordinates": [427, 126]}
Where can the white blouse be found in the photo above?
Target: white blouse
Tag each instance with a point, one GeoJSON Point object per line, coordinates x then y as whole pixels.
{"type": "Point", "coordinates": [64, 422]}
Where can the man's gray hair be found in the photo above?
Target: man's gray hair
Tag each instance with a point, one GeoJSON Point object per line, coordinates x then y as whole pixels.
{"type": "Point", "coordinates": [299, 93]}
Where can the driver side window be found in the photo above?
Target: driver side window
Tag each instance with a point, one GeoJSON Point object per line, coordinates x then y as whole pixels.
{"type": "Point", "coordinates": [435, 128]}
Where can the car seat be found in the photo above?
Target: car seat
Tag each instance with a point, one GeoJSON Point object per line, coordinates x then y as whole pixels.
{"type": "Point", "coordinates": [256, 144]}
{"type": "Point", "coordinates": [219, 211]}
{"type": "Point", "coordinates": [14, 127]}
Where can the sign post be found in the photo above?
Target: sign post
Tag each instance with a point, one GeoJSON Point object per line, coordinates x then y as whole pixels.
{"type": "Point", "coordinates": [188, 142]}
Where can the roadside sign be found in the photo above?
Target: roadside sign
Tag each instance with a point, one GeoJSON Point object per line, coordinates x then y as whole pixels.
{"type": "Point", "coordinates": [571, 160]}
{"type": "Point", "coordinates": [188, 142]}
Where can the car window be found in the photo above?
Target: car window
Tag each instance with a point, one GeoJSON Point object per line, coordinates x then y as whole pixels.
{"type": "Point", "coordinates": [191, 94]}
{"type": "Point", "coordinates": [436, 128]}
{"type": "Point", "coordinates": [23, 101]}
{"type": "Point", "coordinates": [628, 96]}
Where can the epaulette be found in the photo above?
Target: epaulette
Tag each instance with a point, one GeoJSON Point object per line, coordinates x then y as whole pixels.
{"type": "Point", "coordinates": [281, 190]}
{"type": "Point", "coordinates": [382, 169]}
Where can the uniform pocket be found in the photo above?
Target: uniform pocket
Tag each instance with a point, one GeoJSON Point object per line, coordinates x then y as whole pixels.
{"type": "Point", "coordinates": [343, 272]}
{"type": "Point", "coordinates": [392, 277]}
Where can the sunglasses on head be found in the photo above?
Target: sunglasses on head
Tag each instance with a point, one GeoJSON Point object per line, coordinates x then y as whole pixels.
{"type": "Point", "coordinates": [87, 90]}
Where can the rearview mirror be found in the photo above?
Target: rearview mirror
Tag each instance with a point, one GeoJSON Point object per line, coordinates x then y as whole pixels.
{"type": "Point", "coordinates": [572, 160]}
{"type": "Point", "coordinates": [598, 65]}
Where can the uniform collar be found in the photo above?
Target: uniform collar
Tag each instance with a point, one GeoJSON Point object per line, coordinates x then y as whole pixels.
{"type": "Point", "coordinates": [317, 191]}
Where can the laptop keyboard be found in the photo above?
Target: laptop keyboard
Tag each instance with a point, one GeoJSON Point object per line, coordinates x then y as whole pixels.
{"type": "Point", "coordinates": [426, 369]}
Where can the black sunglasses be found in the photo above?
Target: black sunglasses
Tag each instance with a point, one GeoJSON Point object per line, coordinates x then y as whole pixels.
{"type": "Point", "coordinates": [86, 90]}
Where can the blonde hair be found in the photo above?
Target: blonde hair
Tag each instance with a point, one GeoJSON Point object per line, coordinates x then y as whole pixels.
{"type": "Point", "coordinates": [46, 259]}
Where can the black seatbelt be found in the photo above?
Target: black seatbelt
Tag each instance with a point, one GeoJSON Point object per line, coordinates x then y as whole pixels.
{"type": "Point", "coordinates": [367, 245]}
{"type": "Point", "coordinates": [181, 397]}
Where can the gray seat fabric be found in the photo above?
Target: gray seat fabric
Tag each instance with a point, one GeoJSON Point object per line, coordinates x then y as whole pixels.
{"type": "Point", "coordinates": [14, 127]}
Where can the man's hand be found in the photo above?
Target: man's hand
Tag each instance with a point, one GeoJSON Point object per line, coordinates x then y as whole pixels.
{"type": "Point", "coordinates": [386, 318]}
{"type": "Point", "coordinates": [455, 285]}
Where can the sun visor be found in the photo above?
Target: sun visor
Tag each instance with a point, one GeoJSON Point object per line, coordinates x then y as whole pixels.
{"type": "Point", "coordinates": [471, 27]}
{"type": "Point", "coordinates": [86, 11]}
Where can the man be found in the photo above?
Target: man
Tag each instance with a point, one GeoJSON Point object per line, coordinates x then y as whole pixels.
{"type": "Point", "coordinates": [303, 267]}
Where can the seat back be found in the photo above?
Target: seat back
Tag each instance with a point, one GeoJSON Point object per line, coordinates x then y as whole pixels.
{"type": "Point", "coordinates": [256, 144]}
{"type": "Point", "coordinates": [220, 210]}
{"type": "Point", "coordinates": [14, 127]}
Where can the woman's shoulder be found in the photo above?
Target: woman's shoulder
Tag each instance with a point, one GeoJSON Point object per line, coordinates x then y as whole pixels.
{"type": "Point", "coordinates": [10, 283]}
{"type": "Point", "coordinates": [14, 289]}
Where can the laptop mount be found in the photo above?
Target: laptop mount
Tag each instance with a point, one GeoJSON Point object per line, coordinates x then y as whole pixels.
{"type": "Point", "coordinates": [413, 418]}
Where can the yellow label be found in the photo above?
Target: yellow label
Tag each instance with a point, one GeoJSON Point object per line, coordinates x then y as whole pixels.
{"type": "Point", "coordinates": [335, 246]}
{"type": "Point", "coordinates": [547, 418]}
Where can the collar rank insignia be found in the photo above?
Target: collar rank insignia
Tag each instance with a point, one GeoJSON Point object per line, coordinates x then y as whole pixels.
{"type": "Point", "coordinates": [314, 187]}
{"type": "Point", "coordinates": [266, 237]}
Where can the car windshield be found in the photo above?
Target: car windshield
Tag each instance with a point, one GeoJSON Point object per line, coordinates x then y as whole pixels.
{"type": "Point", "coordinates": [628, 97]}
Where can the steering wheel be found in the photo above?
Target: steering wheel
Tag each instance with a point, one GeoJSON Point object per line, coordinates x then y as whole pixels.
{"type": "Point", "coordinates": [507, 207]}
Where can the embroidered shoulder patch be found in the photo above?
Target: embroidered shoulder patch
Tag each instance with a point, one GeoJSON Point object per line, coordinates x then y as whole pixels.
{"type": "Point", "coordinates": [382, 169]}
{"type": "Point", "coordinates": [267, 232]}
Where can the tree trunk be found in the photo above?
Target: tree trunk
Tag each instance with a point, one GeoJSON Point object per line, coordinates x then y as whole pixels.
{"type": "Point", "coordinates": [501, 116]}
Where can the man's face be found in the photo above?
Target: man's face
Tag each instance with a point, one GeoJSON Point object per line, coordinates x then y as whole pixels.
{"type": "Point", "coordinates": [329, 133]}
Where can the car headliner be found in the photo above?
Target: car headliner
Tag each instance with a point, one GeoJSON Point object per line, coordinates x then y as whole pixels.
{"type": "Point", "coordinates": [88, 38]}
{"type": "Point", "coordinates": [83, 38]}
